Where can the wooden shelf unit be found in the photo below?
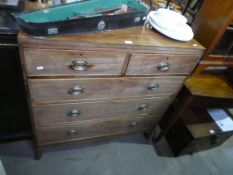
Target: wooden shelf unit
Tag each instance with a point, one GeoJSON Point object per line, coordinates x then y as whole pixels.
{"type": "Point", "coordinates": [211, 25]}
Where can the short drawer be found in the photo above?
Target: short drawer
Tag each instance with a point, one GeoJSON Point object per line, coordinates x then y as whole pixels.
{"type": "Point", "coordinates": [71, 90]}
{"type": "Point", "coordinates": [66, 113]}
{"type": "Point", "coordinates": [152, 64]}
{"type": "Point", "coordinates": [87, 130]}
{"type": "Point", "coordinates": [48, 62]}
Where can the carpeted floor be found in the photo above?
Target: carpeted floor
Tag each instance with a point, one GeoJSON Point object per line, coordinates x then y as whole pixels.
{"type": "Point", "coordinates": [127, 155]}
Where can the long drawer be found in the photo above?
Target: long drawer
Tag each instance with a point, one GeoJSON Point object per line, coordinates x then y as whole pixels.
{"type": "Point", "coordinates": [152, 64]}
{"type": "Point", "coordinates": [46, 62]}
{"type": "Point", "coordinates": [71, 90]}
{"type": "Point", "coordinates": [67, 113]}
{"type": "Point", "coordinates": [85, 130]}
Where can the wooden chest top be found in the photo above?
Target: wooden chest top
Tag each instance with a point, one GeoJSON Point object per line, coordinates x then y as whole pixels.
{"type": "Point", "coordinates": [131, 38]}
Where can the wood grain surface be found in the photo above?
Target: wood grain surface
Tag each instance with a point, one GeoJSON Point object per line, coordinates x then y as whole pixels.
{"type": "Point", "coordinates": [211, 22]}
{"type": "Point", "coordinates": [58, 90]}
{"type": "Point", "coordinates": [141, 38]}
{"type": "Point", "coordinates": [51, 62]}
{"type": "Point", "coordinates": [120, 90]}
{"type": "Point", "coordinates": [149, 64]}
{"type": "Point", "coordinates": [85, 130]}
{"type": "Point", "coordinates": [76, 112]}
{"type": "Point", "coordinates": [209, 86]}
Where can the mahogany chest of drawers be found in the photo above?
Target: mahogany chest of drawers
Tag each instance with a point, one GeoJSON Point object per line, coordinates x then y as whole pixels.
{"type": "Point", "coordinates": [98, 85]}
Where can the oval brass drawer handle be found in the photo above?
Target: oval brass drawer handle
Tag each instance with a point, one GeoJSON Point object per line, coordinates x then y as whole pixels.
{"type": "Point", "coordinates": [72, 132]}
{"type": "Point", "coordinates": [163, 66]}
{"type": "Point", "coordinates": [143, 107]}
{"type": "Point", "coordinates": [153, 86]}
{"type": "Point", "coordinates": [79, 64]}
{"type": "Point", "coordinates": [212, 131]}
{"type": "Point", "coordinates": [74, 113]}
{"type": "Point", "coordinates": [76, 90]}
{"type": "Point", "coordinates": [133, 124]}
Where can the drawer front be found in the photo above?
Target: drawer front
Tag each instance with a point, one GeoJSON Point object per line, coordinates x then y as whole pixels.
{"type": "Point", "coordinates": [70, 90]}
{"type": "Point", "coordinates": [45, 62]}
{"type": "Point", "coordinates": [66, 113]}
{"type": "Point", "coordinates": [151, 64]}
{"type": "Point", "coordinates": [61, 133]}
{"type": "Point", "coordinates": [205, 143]}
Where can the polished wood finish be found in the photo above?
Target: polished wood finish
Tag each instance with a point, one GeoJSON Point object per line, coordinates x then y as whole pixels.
{"type": "Point", "coordinates": [209, 86]}
{"type": "Point", "coordinates": [210, 24]}
{"type": "Point", "coordinates": [48, 62]}
{"type": "Point", "coordinates": [58, 90]}
{"type": "Point", "coordinates": [216, 67]}
{"type": "Point", "coordinates": [35, 5]}
{"type": "Point", "coordinates": [150, 64]}
{"type": "Point", "coordinates": [62, 113]}
{"type": "Point", "coordinates": [184, 122]}
{"type": "Point", "coordinates": [141, 39]}
{"type": "Point", "coordinates": [92, 129]}
{"type": "Point", "coordinates": [187, 120]}
{"type": "Point", "coordinates": [201, 92]}
{"type": "Point", "coordinates": [190, 137]}
{"type": "Point", "coordinates": [105, 99]}
{"type": "Point", "coordinates": [221, 58]}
